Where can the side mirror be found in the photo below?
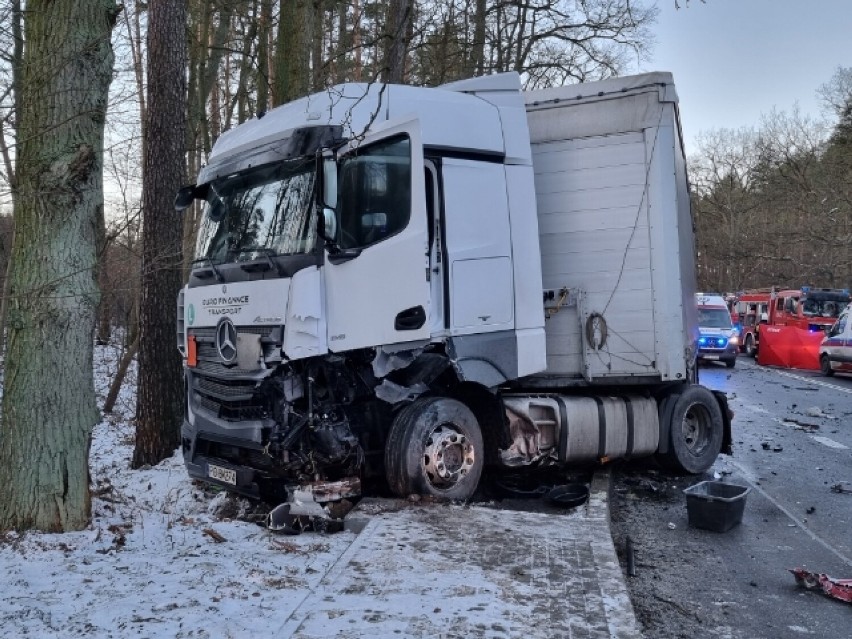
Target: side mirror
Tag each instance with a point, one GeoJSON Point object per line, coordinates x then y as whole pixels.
{"type": "Point", "coordinates": [326, 176]}
{"type": "Point", "coordinates": [327, 228]}
{"type": "Point", "coordinates": [184, 198]}
{"type": "Point", "coordinates": [326, 195]}
{"type": "Point", "coordinates": [187, 194]}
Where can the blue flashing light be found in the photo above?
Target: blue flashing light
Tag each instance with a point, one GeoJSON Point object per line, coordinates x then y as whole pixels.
{"type": "Point", "coordinates": [712, 342]}
{"type": "Point", "coordinates": [806, 289]}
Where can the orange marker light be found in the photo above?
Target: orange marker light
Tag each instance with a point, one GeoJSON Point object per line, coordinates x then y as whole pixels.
{"type": "Point", "coordinates": [191, 351]}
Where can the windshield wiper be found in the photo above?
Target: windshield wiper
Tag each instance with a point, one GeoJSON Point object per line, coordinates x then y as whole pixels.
{"type": "Point", "coordinates": [268, 253]}
{"type": "Point", "coordinates": [216, 272]}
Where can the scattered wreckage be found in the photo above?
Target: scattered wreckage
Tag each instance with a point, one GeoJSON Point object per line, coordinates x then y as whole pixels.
{"type": "Point", "coordinates": [840, 589]}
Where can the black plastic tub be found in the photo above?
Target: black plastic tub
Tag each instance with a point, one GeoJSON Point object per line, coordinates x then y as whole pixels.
{"type": "Point", "coordinates": [715, 505]}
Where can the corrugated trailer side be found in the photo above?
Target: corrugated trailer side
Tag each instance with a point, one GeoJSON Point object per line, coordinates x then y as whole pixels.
{"type": "Point", "coordinates": [615, 230]}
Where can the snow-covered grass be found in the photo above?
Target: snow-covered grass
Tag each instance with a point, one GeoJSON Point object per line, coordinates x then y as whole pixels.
{"type": "Point", "coordinates": [161, 558]}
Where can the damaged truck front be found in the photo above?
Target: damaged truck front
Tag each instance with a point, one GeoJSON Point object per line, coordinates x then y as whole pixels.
{"type": "Point", "coordinates": [410, 283]}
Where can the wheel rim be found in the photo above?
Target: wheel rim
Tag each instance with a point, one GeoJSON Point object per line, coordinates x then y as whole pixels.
{"type": "Point", "coordinates": [448, 457]}
{"type": "Point", "coordinates": [696, 428]}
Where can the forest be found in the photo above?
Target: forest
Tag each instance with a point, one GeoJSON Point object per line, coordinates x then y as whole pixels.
{"type": "Point", "coordinates": [106, 109]}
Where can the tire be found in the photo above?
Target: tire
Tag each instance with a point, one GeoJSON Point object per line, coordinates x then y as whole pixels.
{"type": "Point", "coordinates": [730, 363]}
{"type": "Point", "coordinates": [696, 430]}
{"type": "Point", "coordinates": [435, 448]}
{"type": "Point", "coordinates": [750, 350]}
{"type": "Point", "coordinates": [825, 365]}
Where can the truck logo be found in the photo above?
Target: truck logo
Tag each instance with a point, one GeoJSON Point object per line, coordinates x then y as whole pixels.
{"type": "Point", "coordinates": [226, 340]}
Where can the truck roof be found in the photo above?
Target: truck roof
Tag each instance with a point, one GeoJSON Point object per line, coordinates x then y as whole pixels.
{"type": "Point", "coordinates": [482, 115]}
{"type": "Point", "coordinates": [633, 105]}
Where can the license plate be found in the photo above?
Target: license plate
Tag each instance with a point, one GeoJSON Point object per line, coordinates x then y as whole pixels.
{"type": "Point", "coordinates": [222, 474]}
{"type": "Point", "coordinates": [711, 357]}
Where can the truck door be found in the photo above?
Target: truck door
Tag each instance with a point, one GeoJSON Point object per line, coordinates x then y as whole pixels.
{"type": "Point", "coordinates": [376, 282]}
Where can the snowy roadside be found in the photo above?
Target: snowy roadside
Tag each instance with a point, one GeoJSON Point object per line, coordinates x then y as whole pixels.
{"type": "Point", "coordinates": [161, 558]}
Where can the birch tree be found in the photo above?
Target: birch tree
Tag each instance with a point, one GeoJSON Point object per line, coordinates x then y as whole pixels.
{"type": "Point", "coordinates": [49, 406]}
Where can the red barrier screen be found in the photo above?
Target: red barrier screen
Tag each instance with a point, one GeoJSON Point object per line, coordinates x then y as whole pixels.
{"type": "Point", "coordinates": [789, 347]}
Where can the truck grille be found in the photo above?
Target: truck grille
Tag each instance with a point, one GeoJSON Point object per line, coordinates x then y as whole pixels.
{"type": "Point", "coordinates": [230, 392]}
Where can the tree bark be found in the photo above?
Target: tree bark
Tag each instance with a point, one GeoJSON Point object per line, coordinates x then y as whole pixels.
{"type": "Point", "coordinates": [399, 14]}
{"type": "Point", "coordinates": [160, 390]}
{"type": "Point", "coordinates": [17, 58]}
{"type": "Point", "coordinates": [49, 405]}
{"type": "Point", "coordinates": [291, 53]}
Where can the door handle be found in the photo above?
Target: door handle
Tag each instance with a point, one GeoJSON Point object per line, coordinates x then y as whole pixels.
{"type": "Point", "coordinates": [410, 319]}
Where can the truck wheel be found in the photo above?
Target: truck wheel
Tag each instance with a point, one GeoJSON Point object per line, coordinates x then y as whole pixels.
{"type": "Point", "coordinates": [435, 448]}
{"type": "Point", "coordinates": [825, 365]}
{"type": "Point", "coordinates": [749, 346]}
{"type": "Point", "coordinates": [695, 432]}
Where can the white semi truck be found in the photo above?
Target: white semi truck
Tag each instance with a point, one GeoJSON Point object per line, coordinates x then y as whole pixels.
{"type": "Point", "coordinates": [418, 282]}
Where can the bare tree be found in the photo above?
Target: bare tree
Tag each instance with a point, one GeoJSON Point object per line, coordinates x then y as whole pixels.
{"type": "Point", "coordinates": [49, 401]}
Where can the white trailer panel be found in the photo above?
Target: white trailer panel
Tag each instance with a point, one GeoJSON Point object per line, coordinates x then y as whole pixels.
{"type": "Point", "coordinates": [612, 201]}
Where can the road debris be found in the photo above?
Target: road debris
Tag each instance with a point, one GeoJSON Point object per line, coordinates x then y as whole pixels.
{"type": "Point", "coordinates": [840, 589]}
{"type": "Point", "coordinates": [631, 558]}
{"type": "Point", "coordinates": [816, 411]}
{"type": "Point", "coordinates": [214, 535]}
{"type": "Point", "coordinates": [842, 487]}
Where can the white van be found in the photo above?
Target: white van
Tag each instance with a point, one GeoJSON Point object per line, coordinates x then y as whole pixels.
{"type": "Point", "coordinates": [835, 352]}
{"type": "Point", "coordinates": [717, 340]}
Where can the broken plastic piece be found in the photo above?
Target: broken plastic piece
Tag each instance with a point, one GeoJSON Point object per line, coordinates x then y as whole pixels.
{"type": "Point", "coordinates": [842, 487]}
{"type": "Point", "coordinates": [840, 589]}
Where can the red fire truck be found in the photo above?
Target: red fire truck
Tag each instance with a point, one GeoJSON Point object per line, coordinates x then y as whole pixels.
{"type": "Point", "coordinates": [812, 309]}
{"type": "Point", "coordinates": [752, 309]}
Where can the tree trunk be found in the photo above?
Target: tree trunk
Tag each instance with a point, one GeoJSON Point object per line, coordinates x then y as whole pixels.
{"type": "Point", "coordinates": [264, 30]}
{"type": "Point", "coordinates": [291, 53]}
{"type": "Point", "coordinates": [477, 57]}
{"type": "Point", "coordinates": [399, 14]}
{"type": "Point", "coordinates": [115, 386]}
{"type": "Point", "coordinates": [160, 390]}
{"type": "Point", "coordinates": [49, 405]}
{"type": "Point", "coordinates": [317, 80]}
{"type": "Point", "coordinates": [17, 57]}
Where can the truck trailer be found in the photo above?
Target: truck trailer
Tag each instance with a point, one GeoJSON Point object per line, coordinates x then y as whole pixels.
{"type": "Point", "coordinates": [416, 283]}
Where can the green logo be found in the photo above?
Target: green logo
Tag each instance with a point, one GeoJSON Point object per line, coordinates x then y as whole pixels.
{"type": "Point", "coordinates": [190, 314]}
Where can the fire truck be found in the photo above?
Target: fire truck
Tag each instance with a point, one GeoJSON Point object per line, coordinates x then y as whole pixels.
{"type": "Point", "coordinates": [811, 309]}
{"type": "Point", "coordinates": [752, 308]}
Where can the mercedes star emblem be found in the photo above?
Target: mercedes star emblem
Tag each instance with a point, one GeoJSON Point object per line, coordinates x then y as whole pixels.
{"type": "Point", "coordinates": [226, 341]}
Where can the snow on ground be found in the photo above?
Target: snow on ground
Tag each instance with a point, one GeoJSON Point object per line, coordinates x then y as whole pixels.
{"type": "Point", "coordinates": [161, 558]}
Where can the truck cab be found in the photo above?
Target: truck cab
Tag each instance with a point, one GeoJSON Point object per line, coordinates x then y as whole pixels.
{"type": "Point", "coordinates": [807, 308]}
{"type": "Point", "coordinates": [410, 281]}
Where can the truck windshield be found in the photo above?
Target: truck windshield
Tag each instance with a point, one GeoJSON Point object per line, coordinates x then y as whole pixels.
{"type": "Point", "coordinates": [820, 308]}
{"type": "Point", "coordinates": [714, 318]}
{"type": "Point", "coordinates": [259, 212]}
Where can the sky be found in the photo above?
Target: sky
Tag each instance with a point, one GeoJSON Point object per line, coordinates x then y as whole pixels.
{"type": "Point", "coordinates": [734, 60]}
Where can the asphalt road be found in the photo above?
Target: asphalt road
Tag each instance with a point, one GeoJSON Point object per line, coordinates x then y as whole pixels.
{"type": "Point", "coordinates": [792, 443]}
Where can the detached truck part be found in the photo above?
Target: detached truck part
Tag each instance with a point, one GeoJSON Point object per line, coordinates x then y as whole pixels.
{"type": "Point", "coordinates": [417, 282]}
